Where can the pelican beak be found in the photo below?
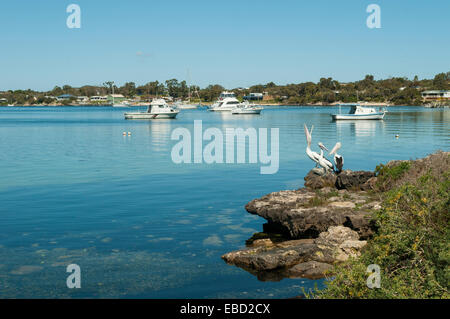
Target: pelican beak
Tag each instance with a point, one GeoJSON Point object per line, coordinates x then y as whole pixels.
{"type": "Point", "coordinates": [323, 146]}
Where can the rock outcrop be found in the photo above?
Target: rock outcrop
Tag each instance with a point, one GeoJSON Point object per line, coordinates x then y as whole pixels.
{"type": "Point", "coordinates": [309, 258]}
{"type": "Point", "coordinates": [353, 180]}
{"type": "Point", "coordinates": [304, 213]}
{"type": "Point", "coordinates": [347, 179]}
{"type": "Point", "coordinates": [316, 179]}
{"type": "Point", "coordinates": [326, 222]}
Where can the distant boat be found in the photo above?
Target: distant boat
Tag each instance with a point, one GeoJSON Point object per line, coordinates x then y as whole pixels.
{"type": "Point", "coordinates": [227, 101]}
{"type": "Point", "coordinates": [122, 104]}
{"type": "Point", "coordinates": [158, 109]}
{"type": "Point", "coordinates": [246, 108]}
{"type": "Point", "coordinates": [188, 105]}
{"type": "Point", "coordinates": [357, 112]}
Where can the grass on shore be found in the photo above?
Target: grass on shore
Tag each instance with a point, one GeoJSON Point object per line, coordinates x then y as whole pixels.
{"type": "Point", "coordinates": [412, 243]}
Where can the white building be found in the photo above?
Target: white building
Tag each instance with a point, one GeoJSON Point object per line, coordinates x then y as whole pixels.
{"type": "Point", "coordinates": [97, 98]}
{"type": "Point", "coordinates": [82, 99]}
{"type": "Point", "coordinates": [436, 95]}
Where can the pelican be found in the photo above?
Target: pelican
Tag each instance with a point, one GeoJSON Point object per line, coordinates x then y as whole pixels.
{"type": "Point", "coordinates": [312, 155]}
{"type": "Point", "coordinates": [338, 159]}
{"type": "Point", "coordinates": [323, 162]}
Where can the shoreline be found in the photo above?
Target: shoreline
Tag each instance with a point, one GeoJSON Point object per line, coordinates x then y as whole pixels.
{"type": "Point", "coordinates": [336, 225]}
{"type": "Point", "coordinates": [267, 105]}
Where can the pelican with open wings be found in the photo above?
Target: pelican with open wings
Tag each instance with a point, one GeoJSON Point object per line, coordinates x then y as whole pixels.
{"type": "Point", "coordinates": [338, 159]}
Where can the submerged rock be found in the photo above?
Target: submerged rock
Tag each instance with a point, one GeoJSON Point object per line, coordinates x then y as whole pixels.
{"type": "Point", "coordinates": [25, 270]}
{"type": "Point", "coordinates": [310, 269]}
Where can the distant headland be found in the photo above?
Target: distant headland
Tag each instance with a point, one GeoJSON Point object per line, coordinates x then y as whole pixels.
{"type": "Point", "coordinates": [390, 91]}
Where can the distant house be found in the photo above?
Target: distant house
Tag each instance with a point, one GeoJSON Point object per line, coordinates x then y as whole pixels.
{"type": "Point", "coordinates": [82, 99]}
{"type": "Point", "coordinates": [64, 97]}
{"type": "Point", "coordinates": [117, 98]}
{"type": "Point", "coordinates": [97, 98]}
{"type": "Point", "coordinates": [436, 95]}
{"type": "Point", "coordinates": [254, 96]}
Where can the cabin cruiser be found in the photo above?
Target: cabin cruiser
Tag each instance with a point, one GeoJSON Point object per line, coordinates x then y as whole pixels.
{"type": "Point", "coordinates": [227, 101]}
{"type": "Point", "coordinates": [158, 109]}
{"type": "Point", "coordinates": [357, 112]}
{"type": "Point", "coordinates": [246, 108]}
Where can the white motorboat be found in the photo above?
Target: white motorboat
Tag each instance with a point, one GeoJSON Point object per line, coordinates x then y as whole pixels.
{"type": "Point", "coordinates": [158, 109]}
{"type": "Point", "coordinates": [357, 112]}
{"type": "Point", "coordinates": [246, 108]}
{"type": "Point", "coordinates": [122, 104]}
{"type": "Point", "coordinates": [227, 102]}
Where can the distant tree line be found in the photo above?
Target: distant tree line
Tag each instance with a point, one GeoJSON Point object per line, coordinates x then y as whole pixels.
{"type": "Point", "coordinates": [395, 90]}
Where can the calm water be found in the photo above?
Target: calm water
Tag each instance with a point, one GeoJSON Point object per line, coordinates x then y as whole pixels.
{"type": "Point", "coordinates": [73, 189]}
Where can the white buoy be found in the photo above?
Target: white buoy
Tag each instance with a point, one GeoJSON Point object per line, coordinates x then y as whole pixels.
{"type": "Point", "coordinates": [397, 136]}
{"type": "Point", "coordinates": [129, 133]}
{"type": "Point", "coordinates": [124, 133]}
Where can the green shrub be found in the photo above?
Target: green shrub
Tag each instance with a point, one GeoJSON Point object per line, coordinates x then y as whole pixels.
{"type": "Point", "coordinates": [412, 244]}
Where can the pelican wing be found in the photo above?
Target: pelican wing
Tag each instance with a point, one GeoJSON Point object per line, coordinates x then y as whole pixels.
{"type": "Point", "coordinates": [308, 134]}
{"type": "Point", "coordinates": [339, 160]}
{"type": "Point", "coordinates": [335, 148]}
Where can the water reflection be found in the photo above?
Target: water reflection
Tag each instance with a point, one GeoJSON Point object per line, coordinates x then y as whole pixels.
{"type": "Point", "coordinates": [360, 128]}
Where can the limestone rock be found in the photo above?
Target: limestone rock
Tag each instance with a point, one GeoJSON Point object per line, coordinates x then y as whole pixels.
{"type": "Point", "coordinates": [310, 269]}
{"type": "Point", "coordinates": [315, 179]}
{"type": "Point", "coordinates": [353, 180]}
{"type": "Point", "coordinates": [308, 258]}
{"type": "Point", "coordinates": [291, 213]}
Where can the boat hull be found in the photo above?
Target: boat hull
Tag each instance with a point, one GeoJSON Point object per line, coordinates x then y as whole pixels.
{"type": "Point", "coordinates": [187, 107]}
{"type": "Point", "coordinates": [221, 109]}
{"type": "Point", "coordinates": [237, 112]}
{"type": "Point", "coordinates": [150, 116]}
{"type": "Point", "coordinates": [374, 116]}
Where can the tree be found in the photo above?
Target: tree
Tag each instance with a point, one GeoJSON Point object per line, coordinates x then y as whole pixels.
{"type": "Point", "coordinates": [440, 81]}
{"type": "Point", "coordinates": [128, 89]}
{"type": "Point", "coordinates": [109, 85]}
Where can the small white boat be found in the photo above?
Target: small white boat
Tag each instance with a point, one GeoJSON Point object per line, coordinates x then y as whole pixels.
{"type": "Point", "coordinates": [122, 104]}
{"type": "Point", "coordinates": [158, 109]}
{"type": "Point", "coordinates": [246, 108]}
{"type": "Point", "coordinates": [357, 112]}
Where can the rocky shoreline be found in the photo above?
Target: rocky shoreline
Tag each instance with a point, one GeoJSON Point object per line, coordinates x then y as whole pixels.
{"type": "Point", "coordinates": [310, 229]}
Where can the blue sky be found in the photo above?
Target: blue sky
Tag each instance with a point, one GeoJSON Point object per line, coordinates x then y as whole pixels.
{"type": "Point", "coordinates": [232, 43]}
